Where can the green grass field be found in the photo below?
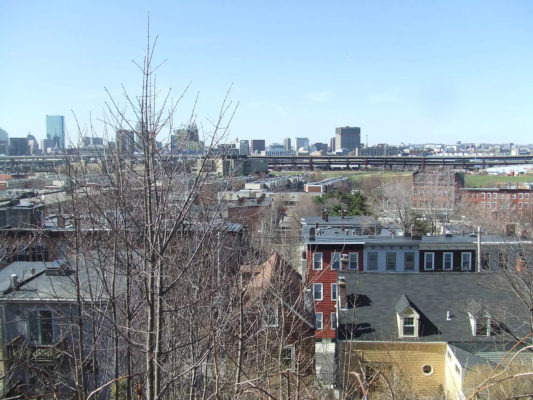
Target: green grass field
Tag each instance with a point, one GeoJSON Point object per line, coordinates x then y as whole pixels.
{"type": "Point", "coordinates": [476, 181]}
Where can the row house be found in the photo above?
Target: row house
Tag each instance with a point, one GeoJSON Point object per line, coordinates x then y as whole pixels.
{"type": "Point", "coordinates": [435, 332]}
{"type": "Point", "coordinates": [345, 244]}
{"type": "Point", "coordinates": [511, 200]}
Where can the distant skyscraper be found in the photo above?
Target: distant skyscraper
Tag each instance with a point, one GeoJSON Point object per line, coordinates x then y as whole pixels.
{"type": "Point", "coordinates": [244, 147]}
{"type": "Point", "coordinates": [33, 144]}
{"type": "Point", "coordinates": [4, 142]}
{"type": "Point", "coordinates": [125, 142]}
{"type": "Point", "coordinates": [302, 143]}
{"type": "Point", "coordinates": [18, 147]}
{"type": "Point", "coordinates": [55, 130]}
{"type": "Point", "coordinates": [257, 145]}
{"type": "Point", "coordinates": [347, 138]}
{"type": "Point", "coordinates": [186, 140]}
{"type": "Point", "coordinates": [332, 144]}
{"type": "Point", "coordinates": [287, 144]}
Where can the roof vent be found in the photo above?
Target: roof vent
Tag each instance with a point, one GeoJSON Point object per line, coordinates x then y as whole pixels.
{"type": "Point", "coordinates": [448, 234]}
{"type": "Point", "coordinates": [14, 280]}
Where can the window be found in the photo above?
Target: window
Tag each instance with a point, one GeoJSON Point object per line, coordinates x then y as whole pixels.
{"type": "Point", "coordinates": [485, 260]}
{"type": "Point", "coordinates": [514, 195]}
{"type": "Point", "coordinates": [521, 196]}
{"type": "Point", "coordinates": [22, 254]}
{"type": "Point", "coordinates": [488, 195]}
{"type": "Point", "coordinates": [334, 292]}
{"type": "Point", "coordinates": [391, 261]}
{"type": "Point", "coordinates": [39, 253]}
{"type": "Point", "coordinates": [270, 316]}
{"type": "Point", "coordinates": [335, 260]}
{"type": "Point", "coordinates": [317, 261]}
{"type": "Point", "coordinates": [482, 195]}
{"type": "Point", "coordinates": [317, 291]}
{"type": "Point", "coordinates": [319, 322]}
{"type": "Point", "coordinates": [481, 324]}
{"type": "Point", "coordinates": [502, 260]}
{"type": "Point", "coordinates": [447, 261]}
{"type": "Point", "coordinates": [408, 326]}
{"type": "Point", "coordinates": [427, 369]}
{"type": "Point", "coordinates": [429, 261]}
{"type": "Point", "coordinates": [409, 259]}
{"type": "Point", "coordinates": [466, 261]}
{"type": "Point", "coordinates": [372, 261]}
{"type": "Point", "coordinates": [333, 321]}
{"type": "Point", "coordinates": [287, 356]}
{"type": "Point", "coordinates": [41, 327]}
{"type": "Point", "coordinates": [353, 261]}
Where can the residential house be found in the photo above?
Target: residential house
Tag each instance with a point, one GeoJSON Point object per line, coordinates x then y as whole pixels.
{"type": "Point", "coordinates": [425, 331]}
{"type": "Point", "coordinates": [39, 303]}
{"type": "Point", "coordinates": [274, 294]}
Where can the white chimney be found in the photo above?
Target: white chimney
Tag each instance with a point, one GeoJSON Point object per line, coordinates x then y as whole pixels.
{"type": "Point", "coordinates": [14, 280]}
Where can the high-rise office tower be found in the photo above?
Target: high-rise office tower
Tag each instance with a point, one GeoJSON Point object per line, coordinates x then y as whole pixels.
{"type": "Point", "coordinates": [244, 147]}
{"type": "Point", "coordinates": [347, 138]}
{"type": "Point", "coordinates": [18, 147]}
{"type": "Point", "coordinates": [55, 130]}
{"type": "Point", "coordinates": [302, 143]}
{"type": "Point", "coordinates": [125, 142]}
{"type": "Point", "coordinates": [332, 144]}
{"type": "Point", "coordinates": [287, 144]}
{"type": "Point", "coordinates": [257, 145]}
{"type": "Point", "coordinates": [4, 142]}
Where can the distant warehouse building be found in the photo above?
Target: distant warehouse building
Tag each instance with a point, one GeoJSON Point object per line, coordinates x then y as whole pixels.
{"type": "Point", "coordinates": [324, 186]}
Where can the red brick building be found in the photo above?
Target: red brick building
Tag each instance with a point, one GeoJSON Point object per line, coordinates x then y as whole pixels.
{"type": "Point", "coordinates": [510, 200]}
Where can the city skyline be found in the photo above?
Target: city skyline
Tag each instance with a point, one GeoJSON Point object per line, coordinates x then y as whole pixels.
{"type": "Point", "coordinates": [410, 72]}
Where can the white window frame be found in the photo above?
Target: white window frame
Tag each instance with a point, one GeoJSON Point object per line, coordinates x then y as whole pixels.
{"type": "Point", "coordinates": [333, 321]}
{"type": "Point", "coordinates": [444, 261]}
{"type": "Point", "coordinates": [319, 320]}
{"type": "Point", "coordinates": [335, 259]}
{"type": "Point", "coordinates": [391, 253]}
{"type": "Point", "coordinates": [39, 320]}
{"type": "Point", "coordinates": [474, 323]}
{"type": "Point", "coordinates": [469, 267]}
{"type": "Point", "coordinates": [334, 290]}
{"type": "Point", "coordinates": [288, 361]}
{"type": "Point", "coordinates": [412, 268]}
{"type": "Point", "coordinates": [432, 254]}
{"type": "Point", "coordinates": [368, 267]}
{"type": "Point", "coordinates": [402, 319]}
{"type": "Point", "coordinates": [353, 261]}
{"type": "Point", "coordinates": [318, 258]}
{"type": "Point", "coordinates": [315, 286]}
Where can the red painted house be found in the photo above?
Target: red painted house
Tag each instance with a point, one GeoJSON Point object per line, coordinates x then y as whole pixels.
{"type": "Point", "coordinates": [326, 256]}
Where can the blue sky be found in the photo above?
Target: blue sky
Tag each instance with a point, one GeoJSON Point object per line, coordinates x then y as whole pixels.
{"type": "Point", "coordinates": [404, 71]}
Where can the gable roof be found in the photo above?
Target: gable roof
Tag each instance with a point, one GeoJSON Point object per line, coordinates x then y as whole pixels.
{"type": "Point", "coordinates": [433, 296]}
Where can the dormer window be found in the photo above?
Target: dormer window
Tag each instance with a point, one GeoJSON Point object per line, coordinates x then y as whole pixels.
{"type": "Point", "coordinates": [407, 318]}
{"type": "Point", "coordinates": [408, 326]}
{"type": "Point", "coordinates": [481, 324]}
{"type": "Point", "coordinates": [408, 323]}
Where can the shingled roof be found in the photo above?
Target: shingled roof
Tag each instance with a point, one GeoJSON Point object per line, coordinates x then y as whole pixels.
{"type": "Point", "coordinates": [443, 301]}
